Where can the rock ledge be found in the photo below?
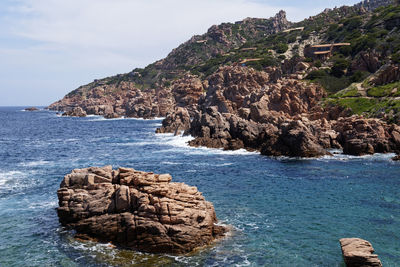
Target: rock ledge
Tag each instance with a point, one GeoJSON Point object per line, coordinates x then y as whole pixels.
{"type": "Point", "coordinates": [138, 210]}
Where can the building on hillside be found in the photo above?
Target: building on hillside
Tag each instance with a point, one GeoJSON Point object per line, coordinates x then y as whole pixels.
{"type": "Point", "coordinates": [323, 51]}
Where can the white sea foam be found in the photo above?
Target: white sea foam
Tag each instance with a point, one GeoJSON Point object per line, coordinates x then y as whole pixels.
{"type": "Point", "coordinates": [170, 163]}
{"type": "Point", "coordinates": [10, 176]}
{"type": "Point", "coordinates": [337, 155]}
{"type": "Point", "coordinates": [34, 163]}
{"type": "Point", "coordinates": [181, 141]}
{"type": "Point", "coordinates": [374, 157]}
{"type": "Point", "coordinates": [42, 205]}
{"type": "Point", "coordinates": [101, 118]}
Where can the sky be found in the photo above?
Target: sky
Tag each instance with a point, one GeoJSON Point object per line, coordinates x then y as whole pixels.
{"type": "Point", "coordinates": [50, 47]}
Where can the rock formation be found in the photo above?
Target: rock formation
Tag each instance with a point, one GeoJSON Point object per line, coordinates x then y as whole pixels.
{"type": "Point", "coordinates": [31, 109]}
{"type": "Point", "coordinates": [111, 101]}
{"type": "Point", "coordinates": [243, 108]}
{"type": "Point", "coordinates": [138, 210]}
{"type": "Point", "coordinates": [75, 112]}
{"type": "Point", "coordinates": [358, 252]}
{"type": "Point", "coordinates": [387, 74]}
{"type": "Point", "coordinates": [360, 136]}
{"type": "Point", "coordinates": [175, 122]}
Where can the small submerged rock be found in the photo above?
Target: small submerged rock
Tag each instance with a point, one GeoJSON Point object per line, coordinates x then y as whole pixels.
{"type": "Point", "coordinates": [138, 210]}
{"type": "Point", "coordinates": [358, 252]}
{"type": "Point", "coordinates": [31, 109]}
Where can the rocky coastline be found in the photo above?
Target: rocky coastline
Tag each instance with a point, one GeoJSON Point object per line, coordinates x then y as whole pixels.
{"type": "Point", "coordinates": [214, 88]}
{"type": "Point", "coordinates": [249, 109]}
{"type": "Point", "coordinates": [137, 210]}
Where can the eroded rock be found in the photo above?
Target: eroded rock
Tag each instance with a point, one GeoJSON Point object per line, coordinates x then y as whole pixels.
{"type": "Point", "coordinates": [138, 210]}
{"type": "Point", "coordinates": [358, 252]}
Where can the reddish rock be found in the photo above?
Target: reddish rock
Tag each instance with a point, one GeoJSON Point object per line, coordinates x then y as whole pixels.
{"type": "Point", "coordinates": [360, 136]}
{"type": "Point", "coordinates": [359, 253]}
{"type": "Point", "coordinates": [139, 210]}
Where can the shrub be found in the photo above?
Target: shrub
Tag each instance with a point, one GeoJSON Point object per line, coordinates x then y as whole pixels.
{"type": "Point", "coordinates": [281, 48]}
{"type": "Point", "coordinates": [316, 74]}
{"type": "Point", "coordinates": [396, 58]}
{"type": "Point", "coordinates": [339, 67]}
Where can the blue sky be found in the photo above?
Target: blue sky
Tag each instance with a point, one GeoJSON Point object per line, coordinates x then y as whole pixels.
{"type": "Point", "coordinates": [50, 47]}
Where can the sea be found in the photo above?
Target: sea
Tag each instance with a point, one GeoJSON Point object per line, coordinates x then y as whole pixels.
{"type": "Point", "coordinates": [281, 211]}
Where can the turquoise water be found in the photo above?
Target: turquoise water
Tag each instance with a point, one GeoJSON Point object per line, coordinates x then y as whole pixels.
{"type": "Point", "coordinates": [283, 212]}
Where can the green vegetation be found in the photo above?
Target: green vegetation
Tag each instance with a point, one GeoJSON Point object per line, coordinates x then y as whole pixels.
{"type": "Point", "coordinates": [281, 48]}
{"type": "Point", "coordinates": [391, 89]}
{"type": "Point", "coordinates": [358, 105]}
{"type": "Point", "coordinates": [351, 91]}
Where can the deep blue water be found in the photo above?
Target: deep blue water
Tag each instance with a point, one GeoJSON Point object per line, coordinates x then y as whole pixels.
{"type": "Point", "coordinates": [284, 212]}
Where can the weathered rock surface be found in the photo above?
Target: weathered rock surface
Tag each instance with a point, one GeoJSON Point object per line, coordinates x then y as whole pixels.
{"type": "Point", "coordinates": [75, 112]}
{"type": "Point", "coordinates": [387, 74]}
{"type": "Point", "coordinates": [116, 100]}
{"type": "Point", "coordinates": [360, 136]}
{"type": "Point", "coordinates": [175, 122]}
{"type": "Point", "coordinates": [358, 253]}
{"type": "Point", "coordinates": [138, 210]}
{"type": "Point", "coordinates": [366, 61]}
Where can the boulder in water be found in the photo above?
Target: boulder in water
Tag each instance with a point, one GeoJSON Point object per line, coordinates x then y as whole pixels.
{"type": "Point", "coordinates": [138, 210]}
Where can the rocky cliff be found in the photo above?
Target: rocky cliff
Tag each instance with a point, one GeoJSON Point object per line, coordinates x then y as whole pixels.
{"type": "Point", "coordinates": [139, 210]}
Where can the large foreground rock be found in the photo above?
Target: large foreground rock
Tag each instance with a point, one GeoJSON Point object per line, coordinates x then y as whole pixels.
{"type": "Point", "coordinates": [138, 210]}
{"type": "Point", "coordinates": [358, 252]}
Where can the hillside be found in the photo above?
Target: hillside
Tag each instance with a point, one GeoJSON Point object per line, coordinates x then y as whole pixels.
{"type": "Point", "coordinates": [270, 85]}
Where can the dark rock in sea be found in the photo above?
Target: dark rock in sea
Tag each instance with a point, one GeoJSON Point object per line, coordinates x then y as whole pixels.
{"type": "Point", "coordinates": [175, 122]}
{"type": "Point", "coordinates": [359, 253]}
{"type": "Point", "coordinates": [31, 109]}
{"type": "Point", "coordinates": [396, 158]}
{"type": "Point", "coordinates": [75, 112]}
{"type": "Point", "coordinates": [138, 210]}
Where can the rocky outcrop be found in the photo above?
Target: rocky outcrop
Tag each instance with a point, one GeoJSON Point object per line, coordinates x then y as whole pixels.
{"type": "Point", "coordinates": [360, 136]}
{"type": "Point", "coordinates": [31, 109]}
{"type": "Point", "coordinates": [187, 92]}
{"type": "Point", "coordinates": [366, 61]}
{"type": "Point", "coordinates": [175, 122]}
{"type": "Point", "coordinates": [387, 74]}
{"type": "Point", "coordinates": [358, 252]}
{"type": "Point", "coordinates": [243, 108]}
{"type": "Point", "coordinates": [75, 112]}
{"type": "Point", "coordinates": [139, 210]}
{"type": "Point", "coordinates": [115, 100]}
